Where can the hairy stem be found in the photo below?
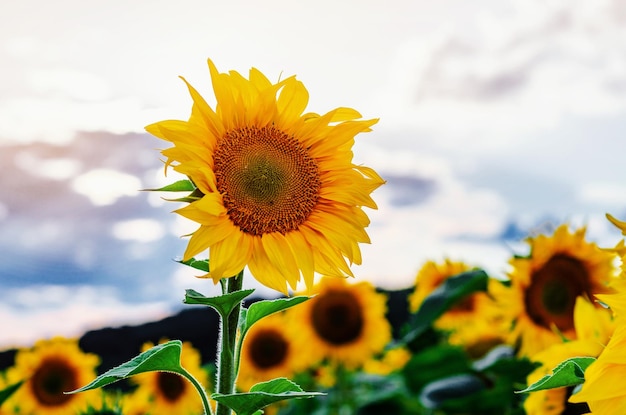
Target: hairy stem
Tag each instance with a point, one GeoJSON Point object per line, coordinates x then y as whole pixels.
{"type": "Point", "coordinates": [226, 361]}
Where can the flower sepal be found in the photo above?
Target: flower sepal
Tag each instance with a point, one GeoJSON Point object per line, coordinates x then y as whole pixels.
{"type": "Point", "coordinates": [224, 304]}
{"type": "Point", "coordinates": [263, 394]}
{"type": "Point", "coordinates": [184, 185]}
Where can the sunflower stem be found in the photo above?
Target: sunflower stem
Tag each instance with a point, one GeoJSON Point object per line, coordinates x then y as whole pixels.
{"type": "Point", "coordinates": [228, 334]}
{"type": "Point", "coordinates": [199, 388]}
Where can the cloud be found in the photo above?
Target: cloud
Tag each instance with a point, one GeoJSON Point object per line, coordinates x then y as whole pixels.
{"type": "Point", "coordinates": [517, 72]}
{"type": "Point", "coordinates": [42, 311]}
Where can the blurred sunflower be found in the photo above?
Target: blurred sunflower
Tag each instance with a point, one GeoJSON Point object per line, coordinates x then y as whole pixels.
{"type": "Point", "coordinates": [50, 368]}
{"type": "Point", "coordinates": [594, 327]}
{"type": "Point", "coordinates": [269, 352]}
{"type": "Point", "coordinates": [391, 361]}
{"type": "Point", "coordinates": [620, 248]}
{"type": "Point", "coordinates": [344, 322]}
{"type": "Point", "coordinates": [170, 393]}
{"type": "Point", "coordinates": [136, 403]}
{"type": "Point", "coordinates": [476, 322]}
{"type": "Point", "coordinates": [277, 188]}
{"type": "Point", "coordinates": [544, 287]}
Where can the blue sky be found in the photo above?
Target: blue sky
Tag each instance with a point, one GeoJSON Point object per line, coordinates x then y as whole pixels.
{"type": "Point", "coordinates": [497, 119]}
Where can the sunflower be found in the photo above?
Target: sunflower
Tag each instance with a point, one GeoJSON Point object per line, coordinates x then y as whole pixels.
{"type": "Point", "coordinates": [476, 322]}
{"type": "Point", "coordinates": [277, 188]}
{"type": "Point", "coordinates": [594, 327]}
{"type": "Point", "coordinates": [170, 393]}
{"type": "Point", "coordinates": [268, 352]}
{"type": "Point", "coordinates": [50, 368]}
{"type": "Point", "coordinates": [345, 322]}
{"type": "Point", "coordinates": [620, 248]}
{"type": "Point", "coordinates": [603, 389]}
{"type": "Point", "coordinates": [544, 287]}
{"type": "Point", "coordinates": [391, 361]}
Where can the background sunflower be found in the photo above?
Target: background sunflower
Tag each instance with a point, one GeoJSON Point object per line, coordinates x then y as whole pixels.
{"type": "Point", "coordinates": [169, 393]}
{"type": "Point", "coordinates": [50, 368]}
{"type": "Point", "coordinates": [344, 322]}
{"type": "Point", "coordinates": [269, 352]}
{"type": "Point", "coordinates": [545, 284]}
{"type": "Point", "coordinates": [476, 322]}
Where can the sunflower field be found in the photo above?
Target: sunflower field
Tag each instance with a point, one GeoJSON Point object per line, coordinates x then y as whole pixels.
{"type": "Point", "coordinates": [274, 191]}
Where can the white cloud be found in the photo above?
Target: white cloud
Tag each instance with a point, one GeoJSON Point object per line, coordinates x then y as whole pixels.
{"type": "Point", "coordinates": [105, 186]}
{"type": "Point", "coordinates": [51, 168]}
{"type": "Point", "coordinates": [610, 195]}
{"type": "Point", "coordinates": [43, 311]}
{"type": "Point", "coordinates": [517, 73]}
{"type": "Point", "coordinates": [73, 84]}
{"type": "Point", "coordinates": [140, 230]}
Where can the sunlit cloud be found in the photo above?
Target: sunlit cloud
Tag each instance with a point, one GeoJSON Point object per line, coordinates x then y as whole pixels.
{"type": "Point", "coordinates": [51, 168]}
{"type": "Point", "coordinates": [104, 186]}
{"type": "Point", "coordinates": [140, 230]}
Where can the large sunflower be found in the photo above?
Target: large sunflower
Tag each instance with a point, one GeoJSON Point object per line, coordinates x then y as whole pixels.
{"type": "Point", "coordinates": [476, 322]}
{"type": "Point", "coordinates": [604, 389]}
{"type": "Point", "coordinates": [50, 368]}
{"type": "Point", "coordinates": [269, 352]}
{"type": "Point", "coordinates": [344, 322]}
{"type": "Point", "coordinates": [594, 327]}
{"type": "Point", "coordinates": [170, 393]}
{"type": "Point", "coordinates": [279, 192]}
{"type": "Point", "coordinates": [544, 287]}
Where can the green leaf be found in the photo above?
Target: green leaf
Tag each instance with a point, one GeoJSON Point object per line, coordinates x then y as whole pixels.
{"type": "Point", "coordinates": [200, 264]}
{"type": "Point", "coordinates": [163, 357]}
{"type": "Point", "coordinates": [263, 394]}
{"type": "Point", "coordinates": [264, 308]}
{"type": "Point", "coordinates": [9, 390]}
{"type": "Point", "coordinates": [223, 304]}
{"type": "Point", "coordinates": [570, 372]}
{"type": "Point", "coordinates": [443, 297]}
{"type": "Point", "coordinates": [191, 197]}
{"type": "Point", "coordinates": [179, 186]}
{"type": "Point", "coordinates": [434, 363]}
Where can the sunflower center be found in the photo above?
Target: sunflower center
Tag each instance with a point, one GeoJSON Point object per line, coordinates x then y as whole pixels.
{"type": "Point", "coordinates": [268, 180]}
{"type": "Point", "coordinates": [552, 294]}
{"type": "Point", "coordinates": [171, 386]}
{"type": "Point", "coordinates": [268, 349]}
{"type": "Point", "coordinates": [465, 305]}
{"type": "Point", "coordinates": [51, 379]}
{"type": "Point", "coordinates": [337, 317]}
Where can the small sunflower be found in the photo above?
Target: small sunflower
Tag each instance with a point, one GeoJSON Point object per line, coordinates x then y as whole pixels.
{"type": "Point", "coordinates": [170, 393]}
{"type": "Point", "coordinates": [545, 285]}
{"type": "Point", "coordinates": [278, 190]}
{"type": "Point", "coordinates": [476, 322]}
{"type": "Point", "coordinates": [391, 361]}
{"type": "Point", "coordinates": [268, 352]}
{"type": "Point", "coordinates": [594, 327]}
{"type": "Point", "coordinates": [50, 368]}
{"type": "Point", "coordinates": [344, 322]}
{"type": "Point", "coordinates": [604, 390]}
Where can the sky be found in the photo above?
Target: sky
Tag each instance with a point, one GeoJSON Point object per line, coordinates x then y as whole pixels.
{"type": "Point", "coordinates": [498, 120]}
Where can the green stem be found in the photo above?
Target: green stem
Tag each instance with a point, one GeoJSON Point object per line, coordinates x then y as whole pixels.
{"type": "Point", "coordinates": [200, 389]}
{"type": "Point", "coordinates": [226, 361]}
